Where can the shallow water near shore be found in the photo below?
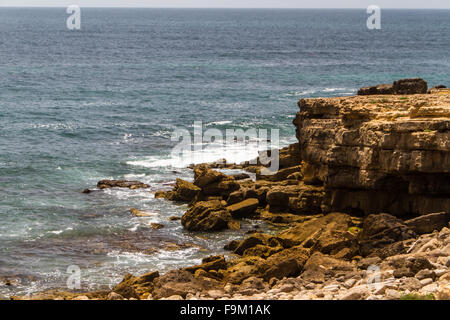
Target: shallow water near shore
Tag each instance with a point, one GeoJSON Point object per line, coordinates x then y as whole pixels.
{"type": "Point", "coordinates": [101, 103]}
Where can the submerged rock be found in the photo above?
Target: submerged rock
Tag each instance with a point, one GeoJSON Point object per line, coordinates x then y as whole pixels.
{"type": "Point", "coordinates": [105, 184]}
{"type": "Point", "coordinates": [377, 89]}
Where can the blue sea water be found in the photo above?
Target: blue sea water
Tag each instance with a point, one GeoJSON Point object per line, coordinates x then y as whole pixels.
{"type": "Point", "coordinates": [78, 106]}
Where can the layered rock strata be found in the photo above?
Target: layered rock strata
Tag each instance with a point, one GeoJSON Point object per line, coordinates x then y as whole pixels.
{"type": "Point", "coordinates": [378, 154]}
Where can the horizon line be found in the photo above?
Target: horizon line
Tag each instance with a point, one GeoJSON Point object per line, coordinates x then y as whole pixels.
{"type": "Point", "coordinates": [193, 7]}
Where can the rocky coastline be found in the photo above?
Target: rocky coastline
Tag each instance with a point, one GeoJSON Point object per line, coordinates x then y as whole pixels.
{"type": "Point", "coordinates": [362, 204]}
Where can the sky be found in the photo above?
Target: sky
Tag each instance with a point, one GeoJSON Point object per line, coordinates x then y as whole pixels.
{"type": "Point", "coordinates": [233, 3]}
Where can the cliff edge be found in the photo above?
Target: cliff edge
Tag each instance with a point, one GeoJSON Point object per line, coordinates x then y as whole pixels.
{"type": "Point", "coordinates": [379, 153]}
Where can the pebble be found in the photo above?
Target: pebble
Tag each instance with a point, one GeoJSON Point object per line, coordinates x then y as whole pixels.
{"type": "Point", "coordinates": [426, 281]}
{"type": "Point", "coordinates": [331, 287]}
{"type": "Point", "coordinates": [349, 283]}
{"type": "Point", "coordinates": [392, 294]}
{"type": "Point", "coordinates": [310, 286]}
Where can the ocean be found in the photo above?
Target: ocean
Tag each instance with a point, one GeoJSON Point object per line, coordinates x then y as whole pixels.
{"type": "Point", "coordinates": [102, 102]}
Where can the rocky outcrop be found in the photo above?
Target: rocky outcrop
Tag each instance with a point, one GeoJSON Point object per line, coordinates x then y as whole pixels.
{"type": "Point", "coordinates": [378, 155]}
{"type": "Point", "coordinates": [183, 191]}
{"type": "Point", "coordinates": [400, 87]}
{"type": "Point", "coordinates": [410, 86]}
{"type": "Point", "coordinates": [244, 208]}
{"type": "Point", "coordinates": [207, 216]}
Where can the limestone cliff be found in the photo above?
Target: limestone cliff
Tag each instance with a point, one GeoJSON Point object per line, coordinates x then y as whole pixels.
{"type": "Point", "coordinates": [385, 153]}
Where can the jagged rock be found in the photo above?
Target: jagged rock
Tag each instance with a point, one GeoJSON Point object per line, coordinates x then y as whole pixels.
{"type": "Point", "coordinates": [105, 184]}
{"type": "Point", "coordinates": [134, 287]}
{"type": "Point", "coordinates": [249, 242]}
{"type": "Point", "coordinates": [259, 193]}
{"type": "Point", "coordinates": [377, 89]}
{"type": "Point", "coordinates": [258, 244]}
{"type": "Point", "coordinates": [126, 287]}
{"type": "Point", "coordinates": [244, 268]}
{"type": "Point", "coordinates": [381, 230]}
{"type": "Point", "coordinates": [278, 196]}
{"type": "Point", "coordinates": [206, 216]}
{"type": "Point", "coordinates": [231, 246]}
{"type": "Point", "coordinates": [243, 209]}
{"type": "Point", "coordinates": [209, 263]}
{"type": "Point", "coordinates": [410, 86]}
{"type": "Point", "coordinates": [428, 223]}
{"type": "Point", "coordinates": [308, 201]}
{"type": "Point", "coordinates": [203, 176]}
{"type": "Point", "coordinates": [184, 191]}
{"type": "Point", "coordinates": [235, 197]}
{"type": "Point", "coordinates": [286, 263]}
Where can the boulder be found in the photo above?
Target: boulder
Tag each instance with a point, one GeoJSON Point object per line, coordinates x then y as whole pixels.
{"type": "Point", "coordinates": [244, 208]}
{"type": "Point", "coordinates": [209, 263]}
{"type": "Point", "coordinates": [264, 241]}
{"type": "Point", "coordinates": [126, 287]}
{"type": "Point", "coordinates": [429, 222]}
{"type": "Point", "coordinates": [135, 287]}
{"type": "Point", "coordinates": [105, 184]}
{"type": "Point", "coordinates": [180, 282]}
{"type": "Point", "coordinates": [184, 191]}
{"type": "Point", "coordinates": [235, 197]}
{"type": "Point", "coordinates": [278, 196]}
{"type": "Point", "coordinates": [410, 86]}
{"type": "Point", "coordinates": [286, 263]}
{"type": "Point", "coordinates": [206, 216]}
{"type": "Point", "coordinates": [320, 268]}
{"type": "Point", "coordinates": [203, 176]}
{"type": "Point", "coordinates": [377, 89]}
{"type": "Point", "coordinates": [381, 230]}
